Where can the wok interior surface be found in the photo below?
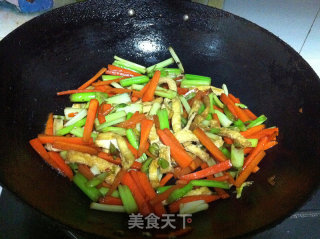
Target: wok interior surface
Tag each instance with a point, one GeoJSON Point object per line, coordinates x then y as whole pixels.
{"type": "Point", "coordinates": [64, 48]}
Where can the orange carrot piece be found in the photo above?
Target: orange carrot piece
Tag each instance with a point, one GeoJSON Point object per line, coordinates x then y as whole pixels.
{"type": "Point", "coordinates": [220, 167]}
{"type": "Point", "coordinates": [143, 206]}
{"type": "Point", "coordinates": [131, 123]}
{"type": "Point", "coordinates": [241, 114]}
{"type": "Point", "coordinates": [182, 182]}
{"type": "Point", "coordinates": [222, 193]}
{"type": "Point", "coordinates": [85, 171]}
{"type": "Point", "coordinates": [180, 155]}
{"type": "Point", "coordinates": [252, 130]}
{"type": "Point", "coordinates": [111, 200]}
{"type": "Point", "coordinates": [256, 169]}
{"type": "Point", "coordinates": [251, 115]}
{"type": "Point", "coordinates": [165, 179]}
{"type": "Point", "coordinates": [263, 133]}
{"type": "Point", "coordinates": [255, 151]}
{"type": "Point", "coordinates": [136, 165]}
{"type": "Point", "coordinates": [108, 82]}
{"type": "Point", "coordinates": [230, 178]}
{"type": "Point", "coordinates": [64, 168]}
{"type": "Point", "coordinates": [49, 125]}
{"type": "Point", "coordinates": [149, 94]}
{"type": "Point", "coordinates": [172, 138]}
{"type": "Point", "coordinates": [134, 99]}
{"type": "Point", "coordinates": [182, 91]}
{"type": "Point", "coordinates": [163, 196]}
{"type": "Point", "coordinates": [269, 145]}
{"type": "Point", "coordinates": [93, 79]}
{"type": "Point", "coordinates": [195, 164]}
{"type": "Point", "coordinates": [175, 206]}
{"type": "Point", "coordinates": [227, 140]}
{"type": "Point", "coordinates": [38, 147]}
{"type": "Point", "coordinates": [233, 98]}
{"type": "Point", "coordinates": [103, 110]}
{"type": "Point", "coordinates": [109, 158]}
{"type": "Point", "coordinates": [117, 180]}
{"type": "Point", "coordinates": [146, 126]}
{"type": "Point", "coordinates": [247, 170]}
{"type": "Point", "coordinates": [156, 121]}
{"type": "Point", "coordinates": [92, 111]}
{"type": "Point", "coordinates": [119, 69]}
{"type": "Point", "coordinates": [69, 92]}
{"type": "Point", "coordinates": [138, 183]}
{"type": "Point", "coordinates": [76, 147]}
{"type": "Point", "coordinates": [212, 148]}
{"type": "Point", "coordinates": [117, 91]}
{"type": "Point", "coordinates": [48, 139]}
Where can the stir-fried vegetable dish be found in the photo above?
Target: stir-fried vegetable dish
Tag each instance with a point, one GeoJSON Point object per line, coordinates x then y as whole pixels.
{"type": "Point", "coordinates": [154, 139]}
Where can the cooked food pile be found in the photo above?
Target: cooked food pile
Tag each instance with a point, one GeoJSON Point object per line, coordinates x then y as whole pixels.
{"type": "Point", "coordinates": [154, 139]}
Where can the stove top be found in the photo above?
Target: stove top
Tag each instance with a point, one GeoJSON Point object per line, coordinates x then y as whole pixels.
{"type": "Point", "coordinates": [18, 220]}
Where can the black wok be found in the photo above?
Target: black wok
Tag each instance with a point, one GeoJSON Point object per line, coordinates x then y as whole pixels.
{"type": "Point", "coordinates": [63, 48]}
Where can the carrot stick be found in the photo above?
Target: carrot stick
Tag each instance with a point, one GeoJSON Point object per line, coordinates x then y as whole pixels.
{"type": "Point", "coordinates": [220, 167]}
{"type": "Point", "coordinates": [92, 111]}
{"type": "Point", "coordinates": [38, 147]}
{"type": "Point", "coordinates": [172, 138]}
{"type": "Point", "coordinates": [69, 92]}
{"type": "Point", "coordinates": [103, 110]}
{"type": "Point", "coordinates": [212, 148]}
{"type": "Point", "coordinates": [48, 139]}
{"type": "Point", "coordinates": [165, 179]}
{"type": "Point", "coordinates": [255, 152]}
{"type": "Point", "coordinates": [150, 193]}
{"type": "Point", "coordinates": [182, 91]}
{"type": "Point", "coordinates": [119, 69]}
{"type": "Point", "coordinates": [163, 196]}
{"type": "Point", "coordinates": [195, 164]}
{"type": "Point", "coordinates": [117, 91]}
{"type": "Point", "coordinates": [108, 82]}
{"type": "Point", "coordinates": [65, 169]}
{"type": "Point", "coordinates": [109, 158]}
{"type": "Point", "coordinates": [241, 114]}
{"type": "Point", "coordinates": [183, 182]}
{"type": "Point", "coordinates": [85, 171]}
{"type": "Point", "coordinates": [263, 133]}
{"type": "Point", "coordinates": [269, 145]}
{"type": "Point", "coordinates": [93, 79]}
{"type": "Point", "coordinates": [116, 181]}
{"type": "Point", "coordinates": [247, 170]}
{"type": "Point", "coordinates": [222, 193]}
{"type": "Point", "coordinates": [251, 115]}
{"type": "Point", "coordinates": [227, 140]}
{"type": "Point", "coordinates": [111, 200]}
{"type": "Point", "coordinates": [143, 206]}
{"type": "Point", "coordinates": [256, 169]}
{"type": "Point", "coordinates": [138, 183]}
{"type": "Point", "coordinates": [49, 125]}
{"type": "Point", "coordinates": [76, 147]}
{"type": "Point", "coordinates": [252, 130]}
{"type": "Point", "coordinates": [149, 94]}
{"type": "Point", "coordinates": [233, 98]}
{"type": "Point", "coordinates": [230, 179]}
{"type": "Point", "coordinates": [175, 206]}
{"type": "Point", "coordinates": [180, 155]}
{"type": "Point", "coordinates": [136, 165]}
{"type": "Point", "coordinates": [131, 123]}
{"type": "Point", "coordinates": [146, 126]}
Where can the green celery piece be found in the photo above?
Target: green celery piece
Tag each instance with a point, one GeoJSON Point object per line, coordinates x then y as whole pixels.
{"type": "Point", "coordinates": [66, 130]}
{"type": "Point", "coordinates": [237, 157]}
{"type": "Point", "coordinates": [81, 181]}
{"type": "Point", "coordinates": [261, 119]}
{"type": "Point", "coordinates": [132, 138]}
{"type": "Point", "coordinates": [201, 109]}
{"type": "Point", "coordinates": [210, 183]}
{"type": "Point", "coordinates": [163, 163]}
{"type": "Point", "coordinates": [127, 198]}
{"type": "Point", "coordinates": [240, 125]}
{"type": "Point", "coordinates": [179, 193]}
{"type": "Point", "coordinates": [104, 192]}
{"type": "Point", "coordinates": [97, 180]}
{"type": "Point", "coordinates": [145, 165]}
{"type": "Point", "coordinates": [163, 189]}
